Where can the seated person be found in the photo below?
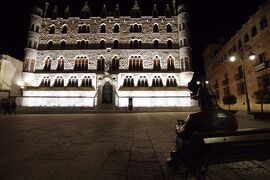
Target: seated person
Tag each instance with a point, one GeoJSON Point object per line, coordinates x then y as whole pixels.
{"type": "Point", "coordinates": [211, 118]}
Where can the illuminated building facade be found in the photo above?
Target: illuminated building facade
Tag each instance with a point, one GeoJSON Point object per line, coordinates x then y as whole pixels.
{"type": "Point", "coordinates": [227, 77]}
{"type": "Point", "coordinates": [120, 60]}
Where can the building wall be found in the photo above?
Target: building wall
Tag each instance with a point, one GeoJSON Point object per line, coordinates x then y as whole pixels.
{"type": "Point", "coordinates": [218, 65]}
{"type": "Point", "coordinates": [10, 74]}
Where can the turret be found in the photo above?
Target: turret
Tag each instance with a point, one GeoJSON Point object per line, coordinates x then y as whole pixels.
{"type": "Point", "coordinates": [155, 11]}
{"type": "Point", "coordinates": [33, 38]}
{"type": "Point", "coordinates": [67, 13]}
{"type": "Point", "coordinates": [103, 13]}
{"type": "Point", "coordinates": [85, 12]}
{"type": "Point", "coordinates": [136, 11]}
{"type": "Point", "coordinates": [117, 11]}
{"type": "Point", "coordinates": [184, 37]}
{"type": "Point", "coordinates": [55, 13]}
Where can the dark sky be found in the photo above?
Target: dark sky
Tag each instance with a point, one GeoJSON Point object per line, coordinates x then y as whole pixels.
{"type": "Point", "coordinates": [209, 20]}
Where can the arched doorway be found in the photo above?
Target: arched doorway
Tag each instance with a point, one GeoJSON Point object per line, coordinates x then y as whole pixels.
{"type": "Point", "coordinates": [107, 94]}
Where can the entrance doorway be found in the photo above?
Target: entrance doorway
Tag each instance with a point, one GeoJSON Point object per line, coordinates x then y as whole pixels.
{"type": "Point", "coordinates": [107, 94]}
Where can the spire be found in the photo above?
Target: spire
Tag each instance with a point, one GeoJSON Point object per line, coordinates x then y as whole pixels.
{"type": "Point", "coordinates": [136, 10]}
{"type": "Point", "coordinates": [155, 11]}
{"type": "Point", "coordinates": [85, 12]}
{"type": "Point", "coordinates": [168, 12]}
{"type": "Point", "coordinates": [103, 13]}
{"type": "Point", "coordinates": [46, 9]}
{"type": "Point", "coordinates": [67, 12]}
{"type": "Point", "coordinates": [117, 11]}
{"type": "Point", "coordinates": [174, 7]}
{"type": "Point", "coordinates": [182, 6]}
{"type": "Point", "coordinates": [55, 13]}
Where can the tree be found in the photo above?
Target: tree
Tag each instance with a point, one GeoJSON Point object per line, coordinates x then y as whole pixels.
{"type": "Point", "coordinates": [229, 100]}
{"type": "Point", "coordinates": [262, 97]}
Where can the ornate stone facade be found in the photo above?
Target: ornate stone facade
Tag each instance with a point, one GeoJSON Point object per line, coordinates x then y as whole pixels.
{"type": "Point", "coordinates": [119, 59]}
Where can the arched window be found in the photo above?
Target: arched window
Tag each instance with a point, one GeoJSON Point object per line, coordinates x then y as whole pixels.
{"type": "Point", "coordinates": [136, 28]}
{"type": "Point", "coordinates": [63, 45]}
{"type": "Point", "coordinates": [32, 65]}
{"type": "Point", "coordinates": [187, 65]}
{"type": "Point", "coordinates": [155, 28]}
{"type": "Point", "coordinates": [263, 23]}
{"type": "Point", "coordinates": [25, 65]}
{"type": "Point", "coordinates": [84, 29]}
{"type": "Point", "coordinates": [254, 31]}
{"type": "Point", "coordinates": [169, 44]}
{"type": "Point", "coordinates": [81, 63]}
{"type": "Point", "coordinates": [135, 63]}
{"type": "Point", "coordinates": [80, 29]}
{"type": "Point", "coordinates": [102, 44]}
{"type": "Point", "coordinates": [131, 29]}
{"type": "Point", "coordinates": [52, 30]}
{"type": "Point", "coordinates": [101, 64]}
{"type": "Point", "coordinates": [170, 64]}
{"type": "Point", "coordinates": [37, 29]}
{"type": "Point", "coordinates": [103, 28]}
{"type": "Point", "coordinates": [115, 44]}
{"type": "Point", "coordinates": [142, 82]}
{"type": "Point", "coordinates": [169, 28]}
{"type": "Point", "coordinates": [156, 64]}
{"type": "Point", "coordinates": [47, 66]}
{"type": "Point", "coordinates": [64, 29]}
{"type": "Point", "coordinates": [50, 45]}
{"type": "Point", "coordinates": [157, 82]}
{"type": "Point", "coordinates": [128, 82]}
{"type": "Point", "coordinates": [73, 82]}
{"type": "Point", "coordinates": [115, 64]}
{"type": "Point", "coordinates": [59, 82]}
{"type": "Point", "coordinates": [82, 44]}
{"type": "Point", "coordinates": [86, 82]}
{"type": "Point", "coordinates": [156, 44]}
{"type": "Point", "coordinates": [136, 44]}
{"type": "Point", "coordinates": [171, 82]}
{"type": "Point", "coordinates": [116, 28]}
{"type": "Point", "coordinates": [46, 82]}
{"type": "Point", "coordinates": [61, 63]}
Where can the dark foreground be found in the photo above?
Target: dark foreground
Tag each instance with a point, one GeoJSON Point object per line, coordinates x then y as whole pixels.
{"type": "Point", "coordinates": [104, 146]}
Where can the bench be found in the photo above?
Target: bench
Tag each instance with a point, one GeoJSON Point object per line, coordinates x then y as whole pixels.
{"type": "Point", "coordinates": [261, 115]}
{"type": "Point", "coordinates": [205, 149]}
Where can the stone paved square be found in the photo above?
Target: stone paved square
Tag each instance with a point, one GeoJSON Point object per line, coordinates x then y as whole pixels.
{"type": "Point", "coordinates": [109, 146]}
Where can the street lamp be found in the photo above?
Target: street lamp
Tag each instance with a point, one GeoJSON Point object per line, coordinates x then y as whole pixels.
{"type": "Point", "coordinates": [251, 57]}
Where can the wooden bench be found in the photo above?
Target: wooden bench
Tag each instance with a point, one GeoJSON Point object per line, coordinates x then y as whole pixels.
{"type": "Point", "coordinates": [205, 149]}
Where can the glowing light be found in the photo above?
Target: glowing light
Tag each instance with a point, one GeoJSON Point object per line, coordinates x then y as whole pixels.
{"type": "Point", "coordinates": [232, 58]}
{"type": "Point", "coordinates": [252, 57]}
{"type": "Point", "coordinates": [198, 82]}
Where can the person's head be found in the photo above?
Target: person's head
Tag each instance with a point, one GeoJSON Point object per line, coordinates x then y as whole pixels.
{"type": "Point", "coordinates": [205, 98]}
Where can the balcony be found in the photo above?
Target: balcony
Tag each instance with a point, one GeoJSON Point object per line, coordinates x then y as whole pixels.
{"type": "Point", "coordinates": [261, 66]}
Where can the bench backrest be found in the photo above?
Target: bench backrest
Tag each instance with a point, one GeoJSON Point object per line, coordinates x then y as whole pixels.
{"type": "Point", "coordinates": [224, 147]}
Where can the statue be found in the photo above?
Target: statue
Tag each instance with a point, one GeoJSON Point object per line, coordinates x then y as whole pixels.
{"type": "Point", "coordinates": [211, 118]}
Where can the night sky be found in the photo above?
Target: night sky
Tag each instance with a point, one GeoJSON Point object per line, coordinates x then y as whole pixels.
{"type": "Point", "coordinates": [209, 20]}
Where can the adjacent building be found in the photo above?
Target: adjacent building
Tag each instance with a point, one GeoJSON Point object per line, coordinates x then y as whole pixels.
{"type": "Point", "coordinates": [227, 77]}
{"type": "Point", "coordinates": [142, 61]}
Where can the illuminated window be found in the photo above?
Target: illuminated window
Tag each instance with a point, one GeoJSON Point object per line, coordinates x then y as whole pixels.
{"type": "Point", "coordinates": [32, 65]}
{"type": "Point", "coordinates": [81, 63]}
{"type": "Point", "coordinates": [115, 64]}
{"type": "Point", "coordinates": [47, 66]}
{"type": "Point", "coordinates": [170, 64]}
{"type": "Point", "coordinates": [101, 64]}
{"type": "Point", "coordinates": [61, 63]}
{"type": "Point", "coordinates": [135, 63]}
{"type": "Point", "coordinates": [156, 64]}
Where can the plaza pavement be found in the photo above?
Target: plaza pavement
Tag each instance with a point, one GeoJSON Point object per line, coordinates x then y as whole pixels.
{"type": "Point", "coordinates": [110, 146]}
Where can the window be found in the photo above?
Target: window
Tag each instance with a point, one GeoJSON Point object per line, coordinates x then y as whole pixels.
{"type": "Point", "coordinates": [81, 63]}
{"type": "Point", "coordinates": [59, 82]}
{"type": "Point", "coordinates": [241, 89]}
{"type": "Point", "coordinates": [169, 44]}
{"type": "Point", "coordinates": [115, 44]}
{"type": "Point", "coordinates": [101, 64]}
{"type": "Point", "coordinates": [103, 29]}
{"type": "Point", "coordinates": [116, 28]}
{"type": "Point", "coordinates": [25, 65]}
{"type": "Point", "coordinates": [156, 64]}
{"type": "Point", "coordinates": [46, 82]}
{"type": "Point", "coordinates": [155, 28]}
{"type": "Point", "coordinates": [32, 66]}
{"type": "Point", "coordinates": [52, 30]}
{"type": "Point", "coordinates": [169, 28]}
{"type": "Point", "coordinates": [156, 44]}
{"type": "Point", "coordinates": [102, 44]}
{"type": "Point", "coordinates": [115, 64]}
{"type": "Point", "coordinates": [262, 57]}
{"type": "Point", "coordinates": [184, 26]}
{"type": "Point", "coordinates": [142, 82]}
{"type": "Point", "coordinates": [63, 45]}
{"type": "Point", "coordinates": [135, 63]}
{"type": "Point", "coordinates": [254, 31]}
{"type": "Point", "coordinates": [61, 63]}
{"type": "Point", "coordinates": [128, 82]}
{"type": "Point", "coordinates": [47, 66]}
{"type": "Point", "coordinates": [246, 38]}
{"type": "Point", "coordinates": [170, 64]}
{"type": "Point", "coordinates": [171, 82]}
{"type": "Point", "coordinates": [86, 82]}
{"type": "Point", "coordinates": [157, 82]}
{"type": "Point", "coordinates": [37, 29]}
{"type": "Point", "coordinates": [64, 29]}
{"type": "Point", "coordinates": [187, 65]}
{"type": "Point", "coordinates": [73, 82]}
{"type": "Point", "coordinates": [136, 28]}
{"type": "Point", "coordinates": [264, 82]}
{"type": "Point", "coordinates": [263, 23]}
{"type": "Point", "coordinates": [50, 45]}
